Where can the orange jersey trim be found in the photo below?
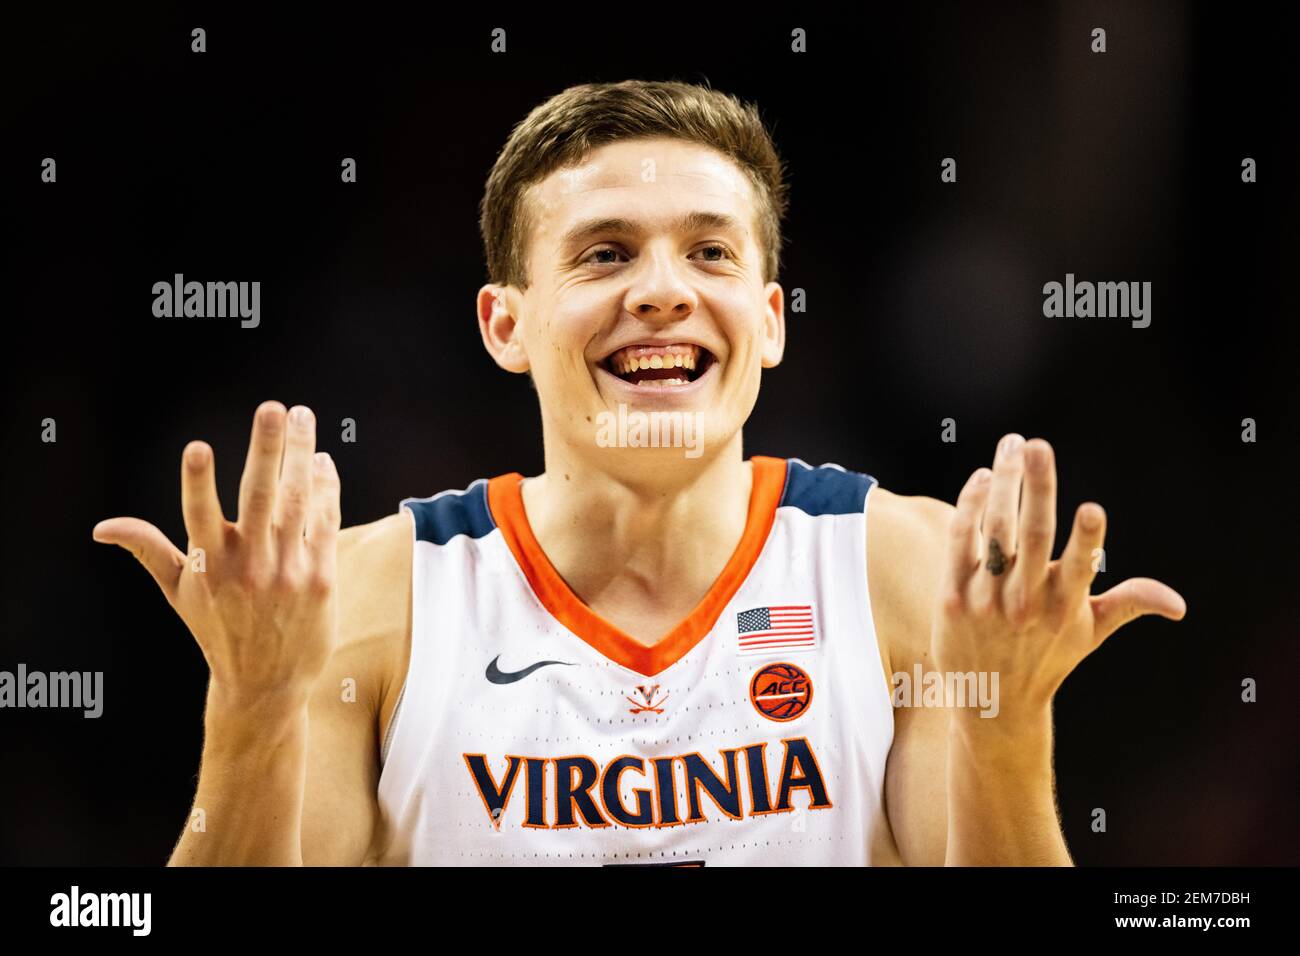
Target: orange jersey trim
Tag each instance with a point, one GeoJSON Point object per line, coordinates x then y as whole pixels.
{"type": "Point", "coordinates": [506, 503]}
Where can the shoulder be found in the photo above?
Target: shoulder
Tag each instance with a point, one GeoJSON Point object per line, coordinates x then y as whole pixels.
{"type": "Point", "coordinates": [906, 544]}
{"type": "Point", "coordinates": [372, 559]}
{"type": "Point", "coordinates": [914, 514]}
{"type": "Point", "coordinates": [386, 540]}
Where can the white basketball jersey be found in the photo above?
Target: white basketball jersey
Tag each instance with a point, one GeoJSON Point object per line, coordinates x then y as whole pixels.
{"type": "Point", "coordinates": [532, 731]}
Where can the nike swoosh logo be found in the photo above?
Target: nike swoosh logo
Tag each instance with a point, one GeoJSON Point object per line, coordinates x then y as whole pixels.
{"type": "Point", "coordinates": [497, 676]}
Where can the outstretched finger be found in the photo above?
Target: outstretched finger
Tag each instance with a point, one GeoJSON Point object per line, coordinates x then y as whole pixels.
{"type": "Point", "coordinates": [293, 498]}
{"type": "Point", "coordinates": [199, 503]}
{"type": "Point", "coordinates": [261, 470]}
{"type": "Point", "coordinates": [1081, 558]}
{"type": "Point", "coordinates": [1130, 600]}
{"type": "Point", "coordinates": [163, 560]}
{"type": "Point", "coordinates": [1002, 515]}
{"type": "Point", "coordinates": [1037, 516]}
{"type": "Point", "coordinates": [963, 542]}
{"type": "Point", "coordinates": [323, 525]}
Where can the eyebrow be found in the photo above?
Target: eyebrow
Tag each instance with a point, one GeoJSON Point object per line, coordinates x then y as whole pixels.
{"type": "Point", "coordinates": [690, 222]}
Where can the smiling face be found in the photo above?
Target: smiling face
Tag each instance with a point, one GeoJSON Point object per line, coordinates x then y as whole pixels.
{"type": "Point", "coordinates": [646, 290]}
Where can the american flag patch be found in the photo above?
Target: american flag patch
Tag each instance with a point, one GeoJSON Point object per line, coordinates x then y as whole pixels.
{"type": "Point", "coordinates": [776, 628]}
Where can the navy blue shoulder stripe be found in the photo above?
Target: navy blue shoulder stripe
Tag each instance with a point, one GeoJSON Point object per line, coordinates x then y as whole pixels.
{"type": "Point", "coordinates": [824, 490]}
{"type": "Point", "coordinates": [442, 517]}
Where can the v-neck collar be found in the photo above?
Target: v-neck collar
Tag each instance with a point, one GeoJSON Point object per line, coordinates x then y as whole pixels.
{"type": "Point", "coordinates": [506, 504]}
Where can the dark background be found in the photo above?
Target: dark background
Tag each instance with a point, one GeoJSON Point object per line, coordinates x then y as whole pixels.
{"type": "Point", "coordinates": [924, 302]}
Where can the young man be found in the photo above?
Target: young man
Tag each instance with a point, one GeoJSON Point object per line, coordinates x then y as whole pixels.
{"type": "Point", "coordinates": [645, 654]}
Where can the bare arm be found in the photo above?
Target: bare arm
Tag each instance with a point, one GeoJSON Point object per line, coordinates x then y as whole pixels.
{"type": "Point", "coordinates": [1006, 609]}
{"type": "Point", "coordinates": [341, 811]}
{"type": "Point", "coordinates": [1001, 794]}
{"type": "Point", "coordinates": [906, 539]}
{"type": "Point", "coordinates": [248, 807]}
{"type": "Point", "coordinates": [961, 790]}
{"type": "Point", "coordinates": [331, 752]}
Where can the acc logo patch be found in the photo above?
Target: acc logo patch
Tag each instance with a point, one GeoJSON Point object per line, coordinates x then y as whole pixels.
{"type": "Point", "coordinates": [781, 691]}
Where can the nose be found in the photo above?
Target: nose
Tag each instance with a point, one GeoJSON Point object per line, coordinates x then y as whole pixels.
{"type": "Point", "coordinates": [659, 292]}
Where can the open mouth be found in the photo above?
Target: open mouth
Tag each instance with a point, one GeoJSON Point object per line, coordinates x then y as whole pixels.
{"type": "Point", "coordinates": [664, 366]}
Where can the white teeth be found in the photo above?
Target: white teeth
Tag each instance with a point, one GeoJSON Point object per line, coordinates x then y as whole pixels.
{"type": "Point", "coordinates": [668, 359]}
{"type": "Point", "coordinates": [685, 357]}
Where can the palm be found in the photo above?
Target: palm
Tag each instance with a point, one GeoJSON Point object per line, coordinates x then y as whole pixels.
{"type": "Point", "coordinates": [258, 593]}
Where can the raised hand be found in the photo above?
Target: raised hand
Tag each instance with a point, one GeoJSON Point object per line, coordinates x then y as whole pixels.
{"type": "Point", "coordinates": [1005, 606]}
{"type": "Point", "coordinates": [259, 597]}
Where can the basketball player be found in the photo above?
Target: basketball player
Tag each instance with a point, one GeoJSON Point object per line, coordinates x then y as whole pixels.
{"type": "Point", "coordinates": [639, 656]}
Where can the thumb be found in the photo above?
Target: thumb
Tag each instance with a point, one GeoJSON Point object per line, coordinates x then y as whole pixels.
{"type": "Point", "coordinates": [1130, 600]}
{"type": "Point", "coordinates": [149, 545]}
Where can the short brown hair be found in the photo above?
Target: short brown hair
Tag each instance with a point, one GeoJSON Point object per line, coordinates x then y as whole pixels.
{"type": "Point", "coordinates": [562, 131]}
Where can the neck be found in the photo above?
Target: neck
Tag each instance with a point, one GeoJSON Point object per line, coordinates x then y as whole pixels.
{"type": "Point", "coordinates": [640, 546]}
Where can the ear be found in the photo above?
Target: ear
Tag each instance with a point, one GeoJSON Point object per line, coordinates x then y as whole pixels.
{"type": "Point", "coordinates": [500, 328]}
{"type": "Point", "coordinates": [773, 325]}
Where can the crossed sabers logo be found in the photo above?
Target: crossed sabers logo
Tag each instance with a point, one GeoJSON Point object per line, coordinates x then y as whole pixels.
{"type": "Point", "coordinates": [647, 694]}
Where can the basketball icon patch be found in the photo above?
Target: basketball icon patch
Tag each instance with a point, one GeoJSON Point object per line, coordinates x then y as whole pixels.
{"type": "Point", "coordinates": [781, 691]}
